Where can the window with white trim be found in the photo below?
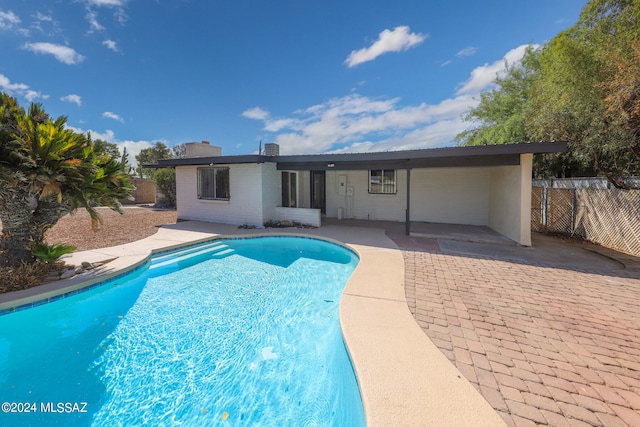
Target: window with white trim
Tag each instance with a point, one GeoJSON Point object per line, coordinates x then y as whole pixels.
{"type": "Point", "coordinates": [382, 181]}
{"type": "Point", "coordinates": [213, 183]}
{"type": "Point", "coordinates": [289, 189]}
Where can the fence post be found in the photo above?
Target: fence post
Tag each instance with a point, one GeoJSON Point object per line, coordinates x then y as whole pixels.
{"type": "Point", "coordinates": [574, 202]}
{"type": "Point", "coordinates": [545, 208]}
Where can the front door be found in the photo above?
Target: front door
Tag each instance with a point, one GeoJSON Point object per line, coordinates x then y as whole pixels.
{"type": "Point", "coordinates": [318, 191]}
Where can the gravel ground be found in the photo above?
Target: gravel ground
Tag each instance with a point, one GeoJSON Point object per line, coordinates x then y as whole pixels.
{"type": "Point", "coordinates": [136, 223]}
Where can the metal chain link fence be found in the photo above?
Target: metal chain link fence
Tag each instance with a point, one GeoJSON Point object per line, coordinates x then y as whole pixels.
{"type": "Point", "coordinates": [609, 217]}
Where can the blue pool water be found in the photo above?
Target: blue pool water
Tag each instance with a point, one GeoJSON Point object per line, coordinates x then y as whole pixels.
{"type": "Point", "coordinates": [233, 332]}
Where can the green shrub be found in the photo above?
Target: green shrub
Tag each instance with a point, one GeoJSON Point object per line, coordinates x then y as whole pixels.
{"type": "Point", "coordinates": [51, 253]}
{"type": "Point", "coordinates": [165, 181]}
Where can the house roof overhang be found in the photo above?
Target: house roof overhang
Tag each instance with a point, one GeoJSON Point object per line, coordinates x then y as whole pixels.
{"type": "Point", "coordinates": [481, 155]}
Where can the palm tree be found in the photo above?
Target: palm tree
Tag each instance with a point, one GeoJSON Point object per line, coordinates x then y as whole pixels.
{"type": "Point", "coordinates": [46, 172]}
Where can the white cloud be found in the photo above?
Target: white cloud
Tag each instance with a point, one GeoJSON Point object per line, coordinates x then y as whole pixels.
{"type": "Point", "coordinates": [107, 3]}
{"type": "Point", "coordinates": [276, 125]}
{"type": "Point", "coordinates": [256, 113]}
{"type": "Point", "coordinates": [73, 98]}
{"type": "Point", "coordinates": [20, 89]}
{"type": "Point", "coordinates": [133, 149]}
{"type": "Point", "coordinates": [8, 20]}
{"type": "Point", "coordinates": [395, 40]}
{"type": "Point", "coordinates": [485, 75]}
{"type": "Point", "coordinates": [119, 14]}
{"type": "Point", "coordinates": [359, 123]}
{"type": "Point", "coordinates": [438, 134]}
{"type": "Point", "coordinates": [110, 44]}
{"type": "Point", "coordinates": [113, 116]}
{"type": "Point", "coordinates": [7, 86]}
{"type": "Point", "coordinates": [44, 18]}
{"type": "Point", "coordinates": [92, 19]}
{"type": "Point", "coordinates": [45, 23]}
{"type": "Point", "coordinates": [467, 51]}
{"type": "Point", "coordinates": [32, 95]}
{"type": "Point", "coordinates": [64, 54]}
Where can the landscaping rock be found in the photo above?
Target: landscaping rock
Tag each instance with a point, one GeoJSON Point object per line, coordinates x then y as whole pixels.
{"type": "Point", "coordinates": [67, 274]}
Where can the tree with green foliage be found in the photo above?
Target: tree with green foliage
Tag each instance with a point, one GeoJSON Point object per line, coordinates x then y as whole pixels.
{"type": "Point", "coordinates": [179, 151]}
{"type": "Point", "coordinates": [46, 172]}
{"type": "Point", "coordinates": [501, 116]}
{"type": "Point", "coordinates": [165, 178]}
{"type": "Point", "coordinates": [124, 162]}
{"type": "Point", "coordinates": [150, 156]}
{"type": "Point", "coordinates": [101, 146]}
{"type": "Point", "coordinates": [583, 88]}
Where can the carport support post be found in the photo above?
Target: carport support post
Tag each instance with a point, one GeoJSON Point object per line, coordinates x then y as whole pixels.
{"type": "Point", "coordinates": [407, 224]}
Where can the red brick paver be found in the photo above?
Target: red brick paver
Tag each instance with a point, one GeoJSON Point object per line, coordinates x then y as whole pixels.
{"type": "Point", "coordinates": [544, 345]}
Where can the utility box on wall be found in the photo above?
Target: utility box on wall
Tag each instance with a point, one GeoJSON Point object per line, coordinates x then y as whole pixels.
{"type": "Point", "coordinates": [342, 185]}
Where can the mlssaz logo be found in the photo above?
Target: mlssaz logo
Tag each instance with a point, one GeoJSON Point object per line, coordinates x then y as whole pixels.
{"type": "Point", "coordinates": [63, 407]}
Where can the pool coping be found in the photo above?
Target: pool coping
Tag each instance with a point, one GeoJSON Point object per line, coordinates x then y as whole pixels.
{"type": "Point", "coordinates": [403, 377]}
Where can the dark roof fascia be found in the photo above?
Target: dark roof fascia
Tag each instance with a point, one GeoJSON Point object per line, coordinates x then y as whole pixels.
{"type": "Point", "coordinates": [480, 155]}
{"type": "Point", "coordinates": [483, 155]}
{"type": "Point", "coordinates": [216, 160]}
{"type": "Point", "coordinates": [476, 150]}
{"type": "Point", "coordinates": [436, 162]}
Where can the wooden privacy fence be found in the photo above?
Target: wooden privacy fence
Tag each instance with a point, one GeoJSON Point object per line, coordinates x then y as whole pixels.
{"type": "Point", "coordinates": [609, 217]}
{"type": "Point", "coordinates": [145, 192]}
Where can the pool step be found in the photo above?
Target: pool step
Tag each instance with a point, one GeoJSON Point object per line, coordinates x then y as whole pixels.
{"type": "Point", "coordinates": [192, 249]}
{"type": "Point", "coordinates": [217, 250]}
{"type": "Point", "coordinates": [222, 253]}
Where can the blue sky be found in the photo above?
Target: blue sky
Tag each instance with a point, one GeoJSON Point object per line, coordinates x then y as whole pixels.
{"type": "Point", "coordinates": [313, 76]}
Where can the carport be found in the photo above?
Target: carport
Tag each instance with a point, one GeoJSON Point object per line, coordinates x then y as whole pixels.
{"type": "Point", "coordinates": [487, 185]}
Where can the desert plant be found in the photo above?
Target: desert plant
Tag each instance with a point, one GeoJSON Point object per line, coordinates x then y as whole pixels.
{"type": "Point", "coordinates": [47, 170]}
{"type": "Point", "coordinates": [51, 253]}
{"type": "Point", "coordinates": [25, 275]}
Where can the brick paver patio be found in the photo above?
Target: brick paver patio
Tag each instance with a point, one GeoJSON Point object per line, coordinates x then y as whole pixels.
{"type": "Point", "coordinates": [545, 345]}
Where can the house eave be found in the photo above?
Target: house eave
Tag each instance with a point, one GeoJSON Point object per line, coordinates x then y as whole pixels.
{"type": "Point", "coordinates": [482, 155]}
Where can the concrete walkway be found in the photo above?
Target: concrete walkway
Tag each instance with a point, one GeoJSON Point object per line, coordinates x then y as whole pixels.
{"type": "Point", "coordinates": [549, 335]}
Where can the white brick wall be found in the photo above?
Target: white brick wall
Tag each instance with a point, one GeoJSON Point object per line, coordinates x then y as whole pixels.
{"type": "Point", "coordinates": [244, 205]}
{"type": "Point", "coordinates": [271, 190]}
{"type": "Point", "coordinates": [301, 215]}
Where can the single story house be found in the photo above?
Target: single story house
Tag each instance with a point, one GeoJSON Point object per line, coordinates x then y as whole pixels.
{"type": "Point", "coordinates": [487, 185]}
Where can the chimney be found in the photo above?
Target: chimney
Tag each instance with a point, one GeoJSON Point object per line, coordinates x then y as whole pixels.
{"type": "Point", "coordinates": [271, 149]}
{"type": "Point", "coordinates": [204, 149]}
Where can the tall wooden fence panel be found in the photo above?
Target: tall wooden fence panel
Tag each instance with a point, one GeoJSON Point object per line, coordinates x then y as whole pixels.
{"type": "Point", "coordinates": [609, 217]}
{"type": "Point", "coordinates": [144, 193]}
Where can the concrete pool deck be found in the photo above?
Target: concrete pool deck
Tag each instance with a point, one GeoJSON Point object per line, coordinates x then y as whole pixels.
{"type": "Point", "coordinates": [404, 378]}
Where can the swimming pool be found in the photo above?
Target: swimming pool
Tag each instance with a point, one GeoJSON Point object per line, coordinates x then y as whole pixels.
{"type": "Point", "coordinates": [231, 332]}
